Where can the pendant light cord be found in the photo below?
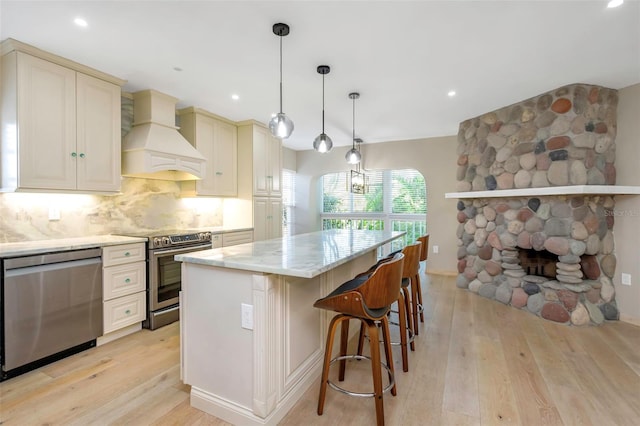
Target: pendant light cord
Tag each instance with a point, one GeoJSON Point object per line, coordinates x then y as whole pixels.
{"type": "Point", "coordinates": [280, 74]}
{"type": "Point", "coordinates": [353, 136]}
{"type": "Point", "coordinates": [323, 103]}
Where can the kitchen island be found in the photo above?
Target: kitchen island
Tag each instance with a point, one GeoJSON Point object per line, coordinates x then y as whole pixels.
{"type": "Point", "coordinates": [251, 341]}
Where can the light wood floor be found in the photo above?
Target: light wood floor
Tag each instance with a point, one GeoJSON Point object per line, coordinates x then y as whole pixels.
{"type": "Point", "coordinates": [476, 362]}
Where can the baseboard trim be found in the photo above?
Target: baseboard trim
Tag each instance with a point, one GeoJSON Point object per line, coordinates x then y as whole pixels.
{"type": "Point", "coordinates": [630, 320]}
{"type": "Point", "coordinates": [442, 272]}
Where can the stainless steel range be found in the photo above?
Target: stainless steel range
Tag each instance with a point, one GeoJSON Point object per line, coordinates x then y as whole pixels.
{"type": "Point", "coordinates": [164, 273]}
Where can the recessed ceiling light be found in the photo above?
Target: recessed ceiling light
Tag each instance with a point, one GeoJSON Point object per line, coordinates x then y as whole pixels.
{"type": "Point", "coordinates": [81, 22]}
{"type": "Point", "coordinates": [614, 3]}
{"type": "Point", "coordinates": [235, 97]}
{"type": "Point", "coordinates": [451, 93]}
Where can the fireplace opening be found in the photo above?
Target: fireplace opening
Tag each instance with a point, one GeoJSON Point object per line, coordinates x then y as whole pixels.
{"type": "Point", "coordinates": [538, 262]}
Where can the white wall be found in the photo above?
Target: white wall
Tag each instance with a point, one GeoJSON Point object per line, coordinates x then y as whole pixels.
{"type": "Point", "coordinates": [627, 220]}
{"type": "Point", "coordinates": [435, 158]}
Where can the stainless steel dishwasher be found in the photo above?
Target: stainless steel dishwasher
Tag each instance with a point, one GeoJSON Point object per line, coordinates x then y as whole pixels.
{"type": "Point", "coordinates": [51, 307]}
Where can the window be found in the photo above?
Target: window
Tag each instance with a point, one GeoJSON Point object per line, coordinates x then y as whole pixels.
{"type": "Point", "coordinates": [288, 201]}
{"type": "Point", "coordinates": [396, 199]}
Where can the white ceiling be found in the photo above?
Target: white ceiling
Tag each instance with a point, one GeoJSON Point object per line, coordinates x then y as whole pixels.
{"type": "Point", "coordinates": [402, 56]}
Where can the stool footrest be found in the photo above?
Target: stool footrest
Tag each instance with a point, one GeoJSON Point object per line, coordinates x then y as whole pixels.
{"type": "Point", "coordinates": [392, 379]}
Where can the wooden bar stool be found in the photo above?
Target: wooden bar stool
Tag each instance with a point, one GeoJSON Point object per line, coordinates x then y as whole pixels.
{"type": "Point", "coordinates": [423, 257]}
{"type": "Point", "coordinates": [368, 299]}
{"type": "Point", "coordinates": [405, 311]}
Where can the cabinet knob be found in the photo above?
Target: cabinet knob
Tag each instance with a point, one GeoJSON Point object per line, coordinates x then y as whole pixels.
{"type": "Point", "coordinates": [127, 254]}
{"type": "Point", "coordinates": [128, 280]}
{"type": "Point", "coordinates": [128, 312]}
{"type": "Point", "coordinates": [82, 155]}
{"type": "Point", "coordinates": [218, 173]}
{"type": "Point", "coordinates": [74, 155]}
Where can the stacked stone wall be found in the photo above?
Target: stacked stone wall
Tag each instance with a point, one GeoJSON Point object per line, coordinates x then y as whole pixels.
{"type": "Point", "coordinates": [577, 230]}
{"type": "Point", "coordinates": [563, 137]}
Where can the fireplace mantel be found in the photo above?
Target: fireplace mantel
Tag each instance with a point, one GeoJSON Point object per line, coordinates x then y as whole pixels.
{"type": "Point", "coordinates": [550, 190]}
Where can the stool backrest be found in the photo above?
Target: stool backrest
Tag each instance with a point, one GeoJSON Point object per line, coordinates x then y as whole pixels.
{"type": "Point", "coordinates": [383, 286]}
{"type": "Point", "coordinates": [411, 260]}
{"type": "Point", "coordinates": [425, 247]}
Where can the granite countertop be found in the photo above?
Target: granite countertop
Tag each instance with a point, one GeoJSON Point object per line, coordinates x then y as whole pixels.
{"type": "Point", "coordinates": [304, 255]}
{"type": "Point", "coordinates": [62, 244]}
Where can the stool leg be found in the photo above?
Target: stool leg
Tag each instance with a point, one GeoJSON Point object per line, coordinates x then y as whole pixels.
{"type": "Point", "coordinates": [419, 290]}
{"type": "Point", "coordinates": [414, 306]}
{"type": "Point", "coordinates": [327, 360]}
{"type": "Point", "coordinates": [361, 338]}
{"type": "Point", "coordinates": [344, 340]}
{"type": "Point", "coordinates": [407, 310]}
{"type": "Point", "coordinates": [375, 370]}
{"type": "Point", "coordinates": [402, 317]}
{"type": "Point", "coordinates": [386, 338]}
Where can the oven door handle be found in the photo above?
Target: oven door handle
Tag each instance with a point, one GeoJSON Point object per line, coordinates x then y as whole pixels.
{"type": "Point", "coordinates": [157, 253]}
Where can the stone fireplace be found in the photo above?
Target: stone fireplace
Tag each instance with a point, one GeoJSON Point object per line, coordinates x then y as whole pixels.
{"type": "Point", "coordinates": [528, 236]}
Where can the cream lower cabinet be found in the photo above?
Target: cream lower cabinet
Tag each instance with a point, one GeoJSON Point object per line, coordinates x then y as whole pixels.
{"type": "Point", "coordinates": [236, 237]}
{"type": "Point", "coordinates": [267, 218]}
{"type": "Point", "coordinates": [216, 139]}
{"type": "Point", "coordinates": [124, 286]}
{"type": "Point", "coordinates": [60, 127]}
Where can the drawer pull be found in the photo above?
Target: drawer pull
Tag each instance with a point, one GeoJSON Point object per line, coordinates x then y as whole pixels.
{"type": "Point", "coordinates": [127, 280]}
{"type": "Point", "coordinates": [126, 254]}
{"type": "Point", "coordinates": [128, 312]}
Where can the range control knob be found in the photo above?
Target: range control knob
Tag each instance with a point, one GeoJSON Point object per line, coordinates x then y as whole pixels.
{"type": "Point", "coordinates": [204, 236]}
{"type": "Point", "coordinates": [157, 242]}
{"type": "Point", "coordinates": [166, 241]}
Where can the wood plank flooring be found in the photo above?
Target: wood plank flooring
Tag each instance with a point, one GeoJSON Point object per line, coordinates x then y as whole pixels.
{"type": "Point", "coordinates": [476, 362]}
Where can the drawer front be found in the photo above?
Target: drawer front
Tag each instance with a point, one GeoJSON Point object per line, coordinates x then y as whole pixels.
{"type": "Point", "coordinates": [124, 311]}
{"type": "Point", "coordinates": [234, 238]}
{"type": "Point", "coordinates": [127, 253]}
{"type": "Point", "coordinates": [122, 280]}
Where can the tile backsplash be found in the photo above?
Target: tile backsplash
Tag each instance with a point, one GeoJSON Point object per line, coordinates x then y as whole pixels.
{"type": "Point", "coordinates": [142, 205]}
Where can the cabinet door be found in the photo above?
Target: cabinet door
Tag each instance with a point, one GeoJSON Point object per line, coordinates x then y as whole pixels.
{"type": "Point", "coordinates": [261, 184]}
{"type": "Point", "coordinates": [260, 224]}
{"type": "Point", "coordinates": [225, 159]}
{"type": "Point", "coordinates": [275, 167]}
{"type": "Point", "coordinates": [203, 140]}
{"type": "Point", "coordinates": [46, 124]}
{"type": "Point", "coordinates": [267, 218]}
{"type": "Point", "coordinates": [274, 218]}
{"type": "Point", "coordinates": [98, 134]}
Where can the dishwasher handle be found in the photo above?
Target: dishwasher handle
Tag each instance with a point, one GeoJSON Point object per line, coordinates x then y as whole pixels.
{"type": "Point", "coordinates": [51, 258]}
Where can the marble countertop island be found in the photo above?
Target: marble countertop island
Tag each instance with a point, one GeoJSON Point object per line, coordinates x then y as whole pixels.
{"type": "Point", "coordinates": [251, 341]}
{"type": "Point", "coordinates": [304, 255]}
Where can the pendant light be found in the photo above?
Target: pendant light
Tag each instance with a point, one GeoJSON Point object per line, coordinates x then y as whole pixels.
{"type": "Point", "coordinates": [280, 125]}
{"type": "Point", "coordinates": [353, 155]}
{"type": "Point", "coordinates": [323, 143]}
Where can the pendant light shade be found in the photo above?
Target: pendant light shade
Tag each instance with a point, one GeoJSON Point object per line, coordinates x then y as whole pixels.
{"type": "Point", "coordinates": [323, 142]}
{"type": "Point", "coordinates": [280, 125]}
{"type": "Point", "coordinates": [353, 156]}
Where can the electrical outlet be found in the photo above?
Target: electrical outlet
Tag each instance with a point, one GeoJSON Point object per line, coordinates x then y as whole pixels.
{"type": "Point", "coordinates": [54, 213]}
{"type": "Point", "coordinates": [436, 249]}
{"type": "Point", "coordinates": [247, 316]}
{"type": "Point", "coordinates": [625, 278]}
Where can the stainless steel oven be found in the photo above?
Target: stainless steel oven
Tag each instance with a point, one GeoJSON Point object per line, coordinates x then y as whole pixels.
{"type": "Point", "coordinates": [164, 273]}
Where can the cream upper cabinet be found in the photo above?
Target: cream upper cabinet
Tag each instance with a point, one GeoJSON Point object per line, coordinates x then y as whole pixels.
{"type": "Point", "coordinates": [97, 134]}
{"type": "Point", "coordinates": [60, 127]}
{"type": "Point", "coordinates": [267, 163]}
{"type": "Point", "coordinates": [217, 140]}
